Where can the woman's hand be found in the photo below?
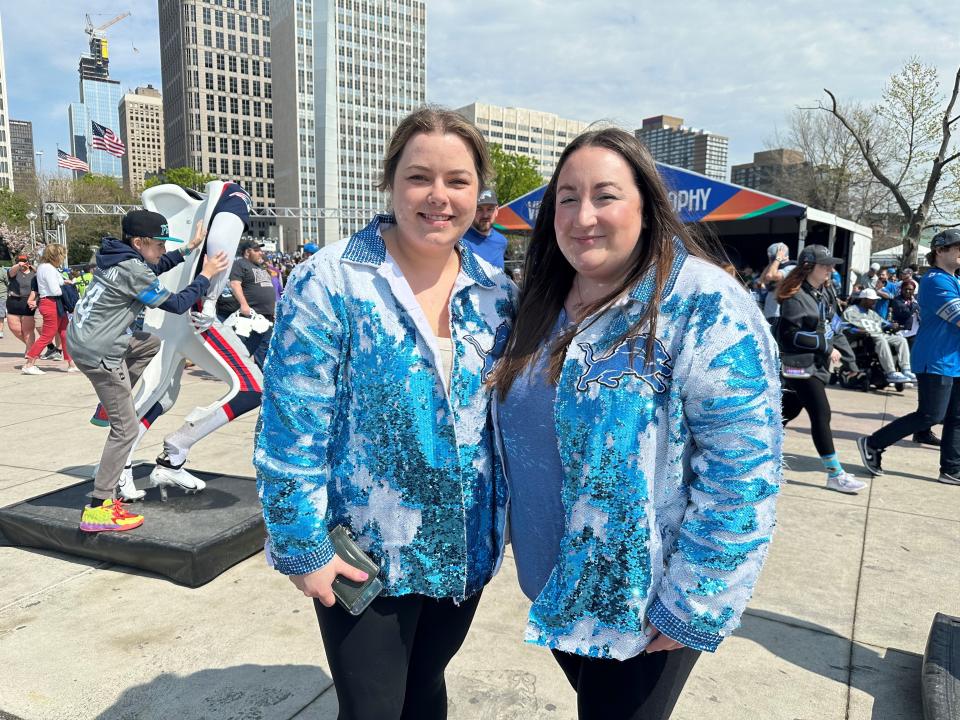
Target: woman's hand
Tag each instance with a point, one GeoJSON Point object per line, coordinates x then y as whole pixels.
{"type": "Point", "coordinates": [835, 357]}
{"type": "Point", "coordinates": [660, 641]}
{"type": "Point", "coordinates": [319, 583]}
{"type": "Point", "coordinates": [197, 239]}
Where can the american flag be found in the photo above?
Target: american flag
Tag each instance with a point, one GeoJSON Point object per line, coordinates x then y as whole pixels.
{"type": "Point", "coordinates": [65, 160]}
{"type": "Point", "coordinates": [106, 139]}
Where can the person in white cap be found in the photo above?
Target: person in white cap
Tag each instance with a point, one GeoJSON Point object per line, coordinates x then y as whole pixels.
{"type": "Point", "coordinates": [862, 315]}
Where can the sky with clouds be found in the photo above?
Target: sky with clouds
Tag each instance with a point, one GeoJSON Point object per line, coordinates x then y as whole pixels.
{"type": "Point", "coordinates": [735, 68]}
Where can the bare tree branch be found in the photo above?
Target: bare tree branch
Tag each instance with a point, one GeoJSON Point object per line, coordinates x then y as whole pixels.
{"type": "Point", "coordinates": [867, 155]}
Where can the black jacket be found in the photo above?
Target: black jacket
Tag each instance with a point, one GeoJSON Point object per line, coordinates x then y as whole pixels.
{"type": "Point", "coordinates": [803, 330]}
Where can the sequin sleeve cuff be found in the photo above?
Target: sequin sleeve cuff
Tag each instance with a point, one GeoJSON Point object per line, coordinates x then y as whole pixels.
{"type": "Point", "coordinates": [669, 625]}
{"type": "Point", "coordinates": [305, 562]}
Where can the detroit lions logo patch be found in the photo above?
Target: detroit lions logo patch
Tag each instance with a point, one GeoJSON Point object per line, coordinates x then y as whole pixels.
{"type": "Point", "coordinates": [491, 356]}
{"type": "Point", "coordinates": [610, 369]}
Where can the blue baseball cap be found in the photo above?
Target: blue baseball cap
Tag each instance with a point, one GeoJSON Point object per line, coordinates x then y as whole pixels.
{"type": "Point", "coordinates": [311, 248]}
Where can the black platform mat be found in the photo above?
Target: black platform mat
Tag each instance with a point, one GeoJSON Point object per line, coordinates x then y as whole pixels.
{"type": "Point", "coordinates": [190, 538]}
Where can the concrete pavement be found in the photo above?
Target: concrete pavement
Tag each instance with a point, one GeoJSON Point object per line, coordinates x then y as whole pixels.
{"type": "Point", "coordinates": [836, 629]}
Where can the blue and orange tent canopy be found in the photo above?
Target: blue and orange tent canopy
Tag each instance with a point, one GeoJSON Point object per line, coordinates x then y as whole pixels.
{"type": "Point", "coordinates": [695, 198]}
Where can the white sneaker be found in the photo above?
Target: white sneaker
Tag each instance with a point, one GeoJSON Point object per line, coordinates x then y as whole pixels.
{"type": "Point", "coordinates": [897, 377]}
{"type": "Point", "coordinates": [845, 483]}
{"type": "Point", "coordinates": [126, 489]}
{"type": "Point", "coordinates": [31, 370]}
{"type": "Point", "coordinates": [165, 475]}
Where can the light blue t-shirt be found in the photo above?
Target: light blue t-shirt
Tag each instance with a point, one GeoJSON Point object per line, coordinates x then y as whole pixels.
{"type": "Point", "coordinates": [491, 248]}
{"type": "Point", "coordinates": [936, 349]}
{"type": "Point", "coordinates": [534, 472]}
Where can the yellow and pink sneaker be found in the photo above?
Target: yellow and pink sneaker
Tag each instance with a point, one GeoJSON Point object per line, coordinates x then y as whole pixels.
{"type": "Point", "coordinates": [111, 516]}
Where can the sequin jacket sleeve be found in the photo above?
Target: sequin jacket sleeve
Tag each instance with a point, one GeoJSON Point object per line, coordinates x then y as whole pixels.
{"type": "Point", "coordinates": [299, 389]}
{"type": "Point", "coordinates": [731, 404]}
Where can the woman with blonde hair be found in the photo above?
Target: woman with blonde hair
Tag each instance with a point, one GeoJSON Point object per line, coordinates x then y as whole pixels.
{"type": "Point", "coordinates": [49, 291]}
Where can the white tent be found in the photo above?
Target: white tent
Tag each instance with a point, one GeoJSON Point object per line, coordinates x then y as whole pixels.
{"type": "Point", "coordinates": [891, 256]}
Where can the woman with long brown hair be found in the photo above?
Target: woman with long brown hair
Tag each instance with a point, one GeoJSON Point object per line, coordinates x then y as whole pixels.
{"type": "Point", "coordinates": [638, 406]}
{"type": "Point", "coordinates": [805, 335]}
{"type": "Point", "coordinates": [49, 290]}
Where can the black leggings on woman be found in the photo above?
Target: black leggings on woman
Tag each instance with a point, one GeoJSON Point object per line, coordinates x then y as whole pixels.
{"type": "Point", "coordinates": [810, 395]}
{"type": "Point", "coordinates": [387, 663]}
{"type": "Point", "coordinates": [644, 687]}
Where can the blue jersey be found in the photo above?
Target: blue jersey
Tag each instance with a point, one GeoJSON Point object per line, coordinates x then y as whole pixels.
{"type": "Point", "coordinates": [937, 347]}
{"type": "Point", "coordinates": [236, 201]}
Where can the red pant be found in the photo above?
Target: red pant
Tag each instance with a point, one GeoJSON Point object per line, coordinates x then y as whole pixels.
{"type": "Point", "coordinates": [53, 324]}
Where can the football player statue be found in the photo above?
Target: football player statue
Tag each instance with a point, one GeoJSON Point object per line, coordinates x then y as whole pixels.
{"type": "Point", "coordinates": [198, 337]}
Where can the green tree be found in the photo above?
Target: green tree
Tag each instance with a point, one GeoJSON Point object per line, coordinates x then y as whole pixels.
{"type": "Point", "coordinates": [183, 176]}
{"type": "Point", "coordinates": [85, 232]}
{"type": "Point", "coordinates": [13, 209]}
{"type": "Point", "coordinates": [907, 144]}
{"type": "Point", "coordinates": [516, 175]}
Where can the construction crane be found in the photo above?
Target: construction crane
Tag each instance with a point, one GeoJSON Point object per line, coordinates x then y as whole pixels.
{"type": "Point", "coordinates": [96, 65]}
{"type": "Point", "coordinates": [97, 32]}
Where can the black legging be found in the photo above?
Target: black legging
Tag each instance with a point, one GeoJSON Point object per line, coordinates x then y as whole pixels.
{"type": "Point", "coordinates": [644, 687]}
{"type": "Point", "coordinates": [388, 662]}
{"type": "Point", "coordinates": [810, 395]}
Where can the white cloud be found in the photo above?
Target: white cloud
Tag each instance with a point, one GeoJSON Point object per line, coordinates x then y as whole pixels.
{"type": "Point", "coordinates": [733, 68]}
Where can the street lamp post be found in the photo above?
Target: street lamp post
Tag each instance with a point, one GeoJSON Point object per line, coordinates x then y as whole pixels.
{"type": "Point", "coordinates": [62, 218]}
{"type": "Point", "coordinates": [32, 216]}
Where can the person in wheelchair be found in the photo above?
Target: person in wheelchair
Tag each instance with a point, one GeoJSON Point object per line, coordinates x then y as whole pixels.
{"type": "Point", "coordinates": [861, 315]}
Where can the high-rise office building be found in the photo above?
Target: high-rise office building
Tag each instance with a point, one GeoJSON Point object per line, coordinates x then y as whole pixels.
{"type": "Point", "coordinates": [6, 163]}
{"type": "Point", "coordinates": [671, 142]}
{"type": "Point", "coordinates": [141, 127]}
{"type": "Point", "coordinates": [352, 69]}
{"type": "Point", "coordinates": [99, 98]}
{"type": "Point", "coordinates": [772, 171]}
{"type": "Point", "coordinates": [22, 157]}
{"type": "Point", "coordinates": [539, 135]}
{"type": "Point", "coordinates": [215, 59]}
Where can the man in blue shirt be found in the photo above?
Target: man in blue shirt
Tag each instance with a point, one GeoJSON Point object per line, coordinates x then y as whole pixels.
{"type": "Point", "coordinates": [886, 290]}
{"type": "Point", "coordinates": [481, 237]}
{"type": "Point", "coordinates": [936, 361]}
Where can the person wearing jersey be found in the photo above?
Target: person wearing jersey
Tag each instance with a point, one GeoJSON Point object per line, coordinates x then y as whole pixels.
{"type": "Point", "coordinates": [936, 361]}
{"type": "Point", "coordinates": [112, 355]}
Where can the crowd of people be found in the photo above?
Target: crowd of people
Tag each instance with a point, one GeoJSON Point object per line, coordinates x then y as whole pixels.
{"type": "Point", "coordinates": [622, 410]}
{"type": "Point", "coordinates": [872, 336]}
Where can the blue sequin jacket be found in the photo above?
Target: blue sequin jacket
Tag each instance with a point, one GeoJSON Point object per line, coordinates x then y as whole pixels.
{"type": "Point", "coordinates": [357, 428]}
{"type": "Point", "coordinates": [671, 469]}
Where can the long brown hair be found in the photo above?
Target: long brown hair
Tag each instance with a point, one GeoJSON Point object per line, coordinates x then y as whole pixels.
{"type": "Point", "coordinates": [548, 276]}
{"type": "Point", "coordinates": [791, 284]}
{"type": "Point", "coordinates": [435, 119]}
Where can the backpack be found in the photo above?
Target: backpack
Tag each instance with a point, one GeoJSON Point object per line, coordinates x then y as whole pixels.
{"type": "Point", "coordinates": [69, 298]}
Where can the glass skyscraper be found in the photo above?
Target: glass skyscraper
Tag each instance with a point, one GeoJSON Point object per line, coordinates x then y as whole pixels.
{"type": "Point", "coordinates": [99, 102]}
